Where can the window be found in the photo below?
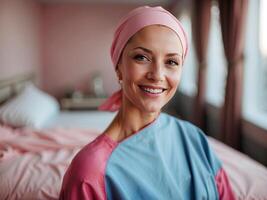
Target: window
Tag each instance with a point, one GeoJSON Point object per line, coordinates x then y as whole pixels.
{"type": "Point", "coordinates": [254, 107]}
{"type": "Point", "coordinates": [216, 70]}
{"type": "Point", "coordinates": [263, 52]}
{"type": "Point", "coordinates": [217, 66]}
{"type": "Point", "coordinates": [188, 85]}
{"type": "Point", "coordinates": [255, 69]}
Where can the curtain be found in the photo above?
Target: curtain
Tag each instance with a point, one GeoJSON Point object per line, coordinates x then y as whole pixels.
{"type": "Point", "coordinates": [200, 32]}
{"type": "Point", "coordinates": [232, 16]}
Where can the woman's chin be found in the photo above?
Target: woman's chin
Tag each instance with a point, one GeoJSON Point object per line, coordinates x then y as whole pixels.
{"type": "Point", "coordinates": [147, 106]}
{"type": "Point", "coordinates": [151, 109]}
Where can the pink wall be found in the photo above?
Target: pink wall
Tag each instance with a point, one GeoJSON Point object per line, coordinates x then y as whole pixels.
{"type": "Point", "coordinates": [77, 40]}
{"type": "Point", "coordinates": [19, 37]}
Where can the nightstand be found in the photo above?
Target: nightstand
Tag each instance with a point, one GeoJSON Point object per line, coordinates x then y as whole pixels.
{"type": "Point", "coordinates": [84, 103]}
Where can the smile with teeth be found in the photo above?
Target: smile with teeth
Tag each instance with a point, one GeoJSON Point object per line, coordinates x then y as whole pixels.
{"type": "Point", "coordinates": [152, 90]}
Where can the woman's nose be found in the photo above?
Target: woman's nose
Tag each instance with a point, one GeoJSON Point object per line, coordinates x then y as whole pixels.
{"type": "Point", "coordinates": [156, 72]}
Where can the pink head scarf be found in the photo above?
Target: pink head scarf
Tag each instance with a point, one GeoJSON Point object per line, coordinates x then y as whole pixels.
{"type": "Point", "coordinates": [131, 24]}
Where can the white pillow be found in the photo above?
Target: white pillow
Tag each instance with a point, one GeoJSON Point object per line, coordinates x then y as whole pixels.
{"type": "Point", "coordinates": [31, 108]}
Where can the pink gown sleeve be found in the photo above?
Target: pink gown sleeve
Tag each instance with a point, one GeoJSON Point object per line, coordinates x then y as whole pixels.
{"type": "Point", "coordinates": [81, 192]}
{"type": "Point", "coordinates": [84, 179]}
{"type": "Point", "coordinates": [223, 186]}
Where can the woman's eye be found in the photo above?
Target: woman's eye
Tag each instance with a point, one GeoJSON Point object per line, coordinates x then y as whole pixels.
{"type": "Point", "coordinates": [140, 57]}
{"type": "Point", "coordinates": [172, 62]}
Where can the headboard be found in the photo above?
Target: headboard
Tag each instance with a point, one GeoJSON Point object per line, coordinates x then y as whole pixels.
{"type": "Point", "coordinates": [12, 86]}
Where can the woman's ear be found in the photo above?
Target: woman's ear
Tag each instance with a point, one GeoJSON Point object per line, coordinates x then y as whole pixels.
{"type": "Point", "coordinates": [119, 76]}
{"type": "Point", "coordinates": [118, 70]}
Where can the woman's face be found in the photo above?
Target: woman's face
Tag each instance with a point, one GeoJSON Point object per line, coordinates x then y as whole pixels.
{"type": "Point", "coordinates": [150, 68]}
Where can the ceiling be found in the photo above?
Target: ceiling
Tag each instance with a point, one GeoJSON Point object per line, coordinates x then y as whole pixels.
{"type": "Point", "coordinates": [128, 2]}
{"type": "Point", "coordinates": [175, 6]}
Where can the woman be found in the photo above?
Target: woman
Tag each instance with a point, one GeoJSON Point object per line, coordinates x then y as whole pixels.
{"type": "Point", "coordinates": [145, 154]}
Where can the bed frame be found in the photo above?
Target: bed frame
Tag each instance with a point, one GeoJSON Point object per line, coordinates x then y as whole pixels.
{"type": "Point", "coordinates": [14, 85]}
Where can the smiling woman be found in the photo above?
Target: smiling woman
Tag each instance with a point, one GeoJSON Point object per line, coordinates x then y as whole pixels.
{"type": "Point", "coordinates": [145, 154]}
{"type": "Point", "coordinates": [150, 69]}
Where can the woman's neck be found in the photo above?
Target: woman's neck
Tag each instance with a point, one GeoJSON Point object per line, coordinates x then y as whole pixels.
{"type": "Point", "coordinates": [128, 121]}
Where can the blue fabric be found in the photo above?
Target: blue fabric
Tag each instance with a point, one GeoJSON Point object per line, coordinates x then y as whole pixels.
{"type": "Point", "coordinates": [169, 159]}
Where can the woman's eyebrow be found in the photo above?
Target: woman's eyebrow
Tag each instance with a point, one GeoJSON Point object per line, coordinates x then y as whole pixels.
{"type": "Point", "coordinates": [144, 49]}
{"type": "Point", "coordinates": [174, 54]}
{"type": "Point", "coordinates": [149, 51]}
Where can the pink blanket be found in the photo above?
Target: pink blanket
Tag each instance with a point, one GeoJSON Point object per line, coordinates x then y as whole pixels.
{"type": "Point", "coordinates": [247, 177]}
{"type": "Point", "coordinates": [32, 163]}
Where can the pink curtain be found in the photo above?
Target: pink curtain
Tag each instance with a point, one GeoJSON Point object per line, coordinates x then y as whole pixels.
{"type": "Point", "coordinates": [200, 30]}
{"type": "Point", "coordinates": [232, 15]}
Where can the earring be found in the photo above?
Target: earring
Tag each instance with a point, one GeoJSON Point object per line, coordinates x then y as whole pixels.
{"type": "Point", "coordinates": [120, 81]}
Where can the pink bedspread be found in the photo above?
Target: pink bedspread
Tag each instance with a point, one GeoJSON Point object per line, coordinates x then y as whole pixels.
{"type": "Point", "coordinates": [247, 177]}
{"type": "Point", "coordinates": [32, 163]}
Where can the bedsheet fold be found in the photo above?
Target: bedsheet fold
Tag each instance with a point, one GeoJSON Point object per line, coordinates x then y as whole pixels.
{"type": "Point", "coordinates": [33, 163]}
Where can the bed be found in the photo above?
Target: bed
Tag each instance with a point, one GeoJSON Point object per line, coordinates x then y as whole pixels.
{"type": "Point", "coordinates": [33, 158]}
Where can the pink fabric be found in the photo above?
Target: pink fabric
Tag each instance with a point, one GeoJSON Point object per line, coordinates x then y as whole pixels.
{"type": "Point", "coordinates": [113, 103]}
{"type": "Point", "coordinates": [33, 163]}
{"type": "Point", "coordinates": [223, 186]}
{"type": "Point", "coordinates": [27, 154]}
{"type": "Point", "coordinates": [140, 18]}
{"type": "Point", "coordinates": [248, 178]}
{"type": "Point", "coordinates": [89, 167]}
{"type": "Point", "coordinates": [131, 24]}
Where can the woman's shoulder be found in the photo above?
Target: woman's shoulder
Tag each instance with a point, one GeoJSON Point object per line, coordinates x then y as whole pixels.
{"type": "Point", "coordinates": [183, 125]}
{"type": "Point", "coordinates": [91, 159]}
{"type": "Point", "coordinates": [185, 130]}
{"type": "Point", "coordinates": [84, 178]}
{"type": "Point", "coordinates": [191, 138]}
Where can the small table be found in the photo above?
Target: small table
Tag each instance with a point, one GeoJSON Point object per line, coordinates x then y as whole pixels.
{"type": "Point", "coordinates": [84, 103]}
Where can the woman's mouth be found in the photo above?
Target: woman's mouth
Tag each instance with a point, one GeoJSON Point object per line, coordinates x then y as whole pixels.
{"type": "Point", "coordinates": [155, 91]}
